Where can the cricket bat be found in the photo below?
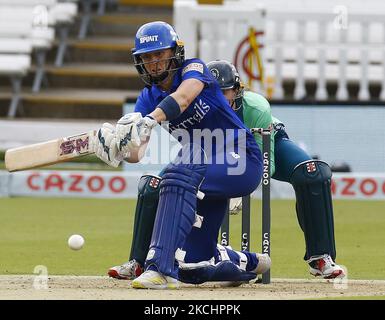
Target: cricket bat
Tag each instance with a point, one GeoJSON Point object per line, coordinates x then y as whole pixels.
{"type": "Point", "coordinates": [49, 152]}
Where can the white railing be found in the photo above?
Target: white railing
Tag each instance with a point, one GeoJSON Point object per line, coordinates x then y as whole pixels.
{"type": "Point", "coordinates": [216, 31]}
{"type": "Point", "coordinates": [319, 47]}
{"type": "Point", "coordinates": [323, 44]}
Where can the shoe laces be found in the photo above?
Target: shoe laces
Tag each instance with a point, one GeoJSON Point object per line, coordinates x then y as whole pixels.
{"type": "Point", "coordinates": [328, 260]}
{"type": "Point", "coordinates": [130, 265]}
{"type": "Point", "coordinates": [316, 261]}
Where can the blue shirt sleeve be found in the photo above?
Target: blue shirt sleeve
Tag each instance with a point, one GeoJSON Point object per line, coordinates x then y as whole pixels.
{"type": "Point", "coordinates": [196, 69]}
{"type": "Point", "coordinates": [142, 104]}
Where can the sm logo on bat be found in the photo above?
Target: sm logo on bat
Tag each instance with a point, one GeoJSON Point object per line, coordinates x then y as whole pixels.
{"type": "Point", "coordinates": [78, 144]}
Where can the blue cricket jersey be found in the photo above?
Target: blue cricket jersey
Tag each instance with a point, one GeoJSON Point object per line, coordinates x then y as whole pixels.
{"type": "Point", "coordinates": [210, 110]}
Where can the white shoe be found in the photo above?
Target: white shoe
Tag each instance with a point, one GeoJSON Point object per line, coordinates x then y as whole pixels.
{"type": "Point", "coordinates": [264, 263]}
{"type": "Point", "coordinates": [325, 267]}
{"type": "Point", "coordinates": [127, 271]}
{"type": "Point", "coordinates": [154, 280]}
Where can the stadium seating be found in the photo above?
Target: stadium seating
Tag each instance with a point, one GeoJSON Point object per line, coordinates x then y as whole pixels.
{"type": "Point", "coordinates": [64, 13]}
{"type": "Point", "coordinates": [325, 42]}
{"type": "Point", "coordinates": [313, 47]}
{"type": "Point", "coordinates": [28, 27]}
{"type": "Point", "coordinates": [15, 59]}
{"type": "Point", "coordinates": [87, 12]}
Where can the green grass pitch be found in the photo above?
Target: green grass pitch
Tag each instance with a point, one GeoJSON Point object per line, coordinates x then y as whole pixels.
{"type": "Point", "coordinates": [34, 231]}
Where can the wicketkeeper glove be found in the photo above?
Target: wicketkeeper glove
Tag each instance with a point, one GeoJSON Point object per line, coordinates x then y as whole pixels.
{"type": "Point", "coordinates": [235, 205]}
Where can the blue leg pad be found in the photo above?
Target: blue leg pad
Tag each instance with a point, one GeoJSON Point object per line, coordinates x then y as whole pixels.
{"type": "Point", "coordinates": [223, 271]}
{"type": "Point", "coordinates": [175, 216]}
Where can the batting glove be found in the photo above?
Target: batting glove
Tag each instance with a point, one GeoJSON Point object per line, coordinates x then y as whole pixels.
{"type": "Point", "coordinates": [131, 131]}
{"type": "Point", "coordinates": [105, 145]}
{"type": "Point", "coordinates": [145, 127]}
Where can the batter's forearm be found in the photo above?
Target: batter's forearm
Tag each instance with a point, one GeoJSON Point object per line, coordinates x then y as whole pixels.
{"type": "Point", "coordinates": [177, 102]}
{"type": "Point", "coordinates": [136, 154]}
{"type": "Point", "coordinates": [158, 115]}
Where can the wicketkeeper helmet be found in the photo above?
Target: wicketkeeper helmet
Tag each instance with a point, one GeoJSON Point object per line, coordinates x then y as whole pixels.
{"type": "Point", "coordinates": [227, 77]}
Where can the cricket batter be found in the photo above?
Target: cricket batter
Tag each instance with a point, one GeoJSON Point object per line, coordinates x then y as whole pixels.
{"type": "Point", "coordinates": [289, 163]}
{"type": "Point", "coordinates": [183, 243]}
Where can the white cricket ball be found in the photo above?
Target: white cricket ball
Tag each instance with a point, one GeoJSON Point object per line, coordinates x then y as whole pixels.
{"type": "Point", "coordinates": [75, 242]}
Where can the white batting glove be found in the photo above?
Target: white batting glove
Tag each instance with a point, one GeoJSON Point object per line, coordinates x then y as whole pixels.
{"type": "Point", "coordinates": [235, 205]}
{"type": "Point", "coordinates": [105, 145]}
{"type": "Point", "coordinates": [127, 133]}
{"type": "Point", "coordinates": [145, 127]}
{"type": "Point", "coordinates": [131, 131]}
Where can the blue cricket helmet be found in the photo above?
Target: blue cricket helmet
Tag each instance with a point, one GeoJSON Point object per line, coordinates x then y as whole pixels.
{"type": "Point", "coordinates": [155, 36]}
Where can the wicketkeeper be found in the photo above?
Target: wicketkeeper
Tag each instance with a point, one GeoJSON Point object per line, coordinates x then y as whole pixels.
{"type": "Point", "coordinates": [311, 179]}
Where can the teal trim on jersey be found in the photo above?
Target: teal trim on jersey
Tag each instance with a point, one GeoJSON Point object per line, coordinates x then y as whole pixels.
{"type": "Point", "coordinates": [257, 114]}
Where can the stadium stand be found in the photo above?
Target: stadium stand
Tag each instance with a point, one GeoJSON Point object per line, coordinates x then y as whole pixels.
{"type": "Point", "coordinates": [81, 78]}
{"type": "Point", "coordinates": [91, 76]}
{"type": "Point", "coordinates": [310, 47]}
{"type": "Point", "coordinates": [312, 51]}
{"type": "Point", "coordinates": [64, 13]}
{"type": "Point", "coordinates": [94, 78]}
{"type": "Point", "coordinates": [15, 57]}
{"type": "Point", "coordinates": [87, 14]}
{"type": "Point", "coordinates": [29, 25]}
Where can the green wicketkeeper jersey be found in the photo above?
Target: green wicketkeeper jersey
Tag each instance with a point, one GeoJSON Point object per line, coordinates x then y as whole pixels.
{"type": "Point", "coordinates": [257, 114]}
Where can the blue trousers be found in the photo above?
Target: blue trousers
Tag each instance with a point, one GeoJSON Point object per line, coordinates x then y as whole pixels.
{"type": "Point", "coordinates": [218, 187]}
{"type": "Point", "coordinates": [201, 243]}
